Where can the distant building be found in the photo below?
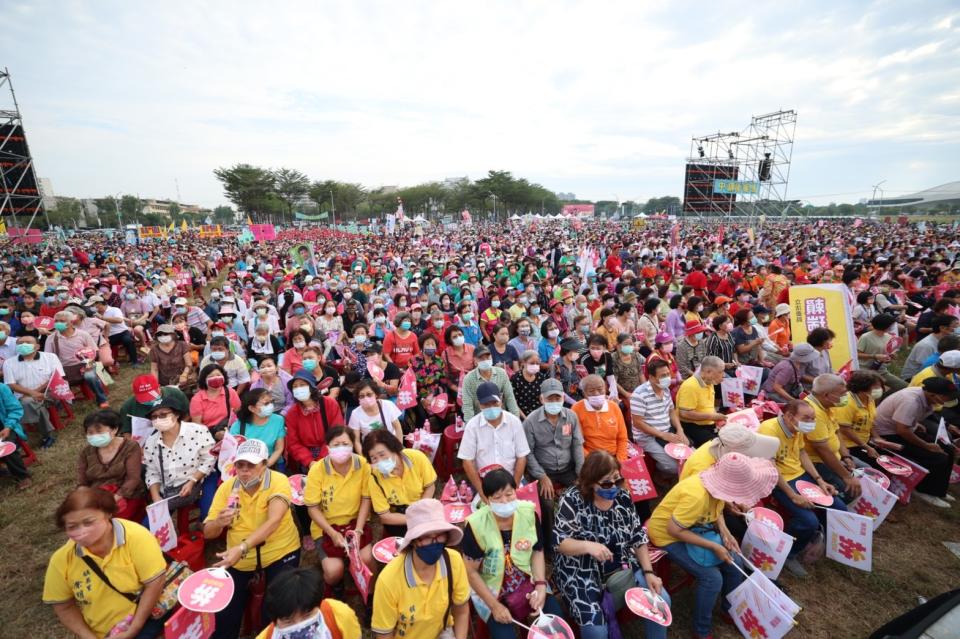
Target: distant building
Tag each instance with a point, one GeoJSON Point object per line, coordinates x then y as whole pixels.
{"type": "Point", "coordinates": [46, 192]}
{"type": "Point", "coordinates": [162, 207]}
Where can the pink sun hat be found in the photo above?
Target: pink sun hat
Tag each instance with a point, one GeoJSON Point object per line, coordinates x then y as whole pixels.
{"type": "Point", "coordinates": [425, 517]}
{"type": "Point", "coordinates": [740, 479]}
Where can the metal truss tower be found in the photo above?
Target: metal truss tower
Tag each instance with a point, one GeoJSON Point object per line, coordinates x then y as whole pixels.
{"type": "Point", "coordinates": [759, 155]}
{"type": "Point", "coordinates": [19, 188]}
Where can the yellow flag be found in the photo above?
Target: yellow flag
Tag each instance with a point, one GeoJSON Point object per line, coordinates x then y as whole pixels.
{"type": "Point", "coordinates": [171, 227]}
{"type": "Point", "coordinates": [183, 225]}
{"type": "Point", "coordinates": [3, 228]}
{"type": "Point", "coordinates": [249, 221]}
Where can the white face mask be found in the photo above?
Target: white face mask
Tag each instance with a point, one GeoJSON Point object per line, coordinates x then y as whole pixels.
{"type": "Point", "coordinates": [164, 339]}
{"type": "Point", "coordinates": [806, 427]}
{"type": "Point", "coordinates": [664, 382]}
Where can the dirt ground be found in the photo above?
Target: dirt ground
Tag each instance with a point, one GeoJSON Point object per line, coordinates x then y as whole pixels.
{"type": "Point", "coordinates": [909, 560]}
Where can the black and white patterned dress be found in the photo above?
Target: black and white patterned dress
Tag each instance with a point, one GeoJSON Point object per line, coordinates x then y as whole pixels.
{"type": "Point", "coordinates": [580, 579]}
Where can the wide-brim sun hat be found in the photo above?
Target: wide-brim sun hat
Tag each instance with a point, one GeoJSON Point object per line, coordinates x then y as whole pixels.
{"type": "Point", "coordinates": [425, 517]}
{"type": "Point", "coordinates": [737, 478]}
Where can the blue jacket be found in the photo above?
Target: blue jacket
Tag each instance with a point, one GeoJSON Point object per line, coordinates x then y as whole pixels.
{"type": "Point", "coordinates": [11, 411]}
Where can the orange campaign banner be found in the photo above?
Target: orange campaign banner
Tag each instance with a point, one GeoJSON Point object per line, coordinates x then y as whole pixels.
{"type": "Point", "coordinates": [825, 305]}
{"type": "Point", "coordinates": [210, 230]}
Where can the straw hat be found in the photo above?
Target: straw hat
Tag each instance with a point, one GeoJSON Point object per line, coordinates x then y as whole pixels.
{"type": "Point", "coordinates": [740, 479]}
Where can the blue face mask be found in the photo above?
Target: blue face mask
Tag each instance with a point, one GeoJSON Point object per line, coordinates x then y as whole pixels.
{"type": "Point", "coordinates": [492, 413]}
{"type": "Point", "coordinates": [25, 349]}
{"type": "Point", "coordinates": [431, 553]}
{"type": "Point", "coordinates": [553, 408]}
{"type": "Point", "coordinates": [607, 493]}
{"type": "Point", "coordinates": [504, 510]}
{"type": "Point", "coordinates": [386, 466]}
{"type": "Point", "coordinates": [309, 364]}
{"type": "Point", "coordinates": [405, 325]}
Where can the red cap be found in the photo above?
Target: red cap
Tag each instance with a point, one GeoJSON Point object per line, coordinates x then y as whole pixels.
{"type": "Point", "coordinates": [146, 389]}
{"type": "Point", "coordinates": [721, 299]}
{"type": "Point", "coordinates": [693, 327]}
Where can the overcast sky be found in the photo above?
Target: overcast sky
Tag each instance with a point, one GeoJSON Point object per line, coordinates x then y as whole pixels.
{"type": "Point", "coordinates": [596, 98]}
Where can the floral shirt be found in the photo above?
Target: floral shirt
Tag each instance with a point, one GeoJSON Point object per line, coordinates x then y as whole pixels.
{"type": "Point", "coordinates": [429, 372]}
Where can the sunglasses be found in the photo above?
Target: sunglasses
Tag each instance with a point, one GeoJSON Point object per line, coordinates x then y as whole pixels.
{"type": "Point", "coordinates": [610, 483]}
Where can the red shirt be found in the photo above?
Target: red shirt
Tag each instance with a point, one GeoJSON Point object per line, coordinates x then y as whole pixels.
{"type": "Point", "coordinates": [400, 349]}
{"type": "Point", "coordinates": [698, 280]}
{"type": "Point", "coordinates": [306, 431]}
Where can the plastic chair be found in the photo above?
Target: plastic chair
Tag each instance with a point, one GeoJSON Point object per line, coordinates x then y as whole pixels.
{"type": "Point", "coordinates": [29, 457]}
{"type": "Point", "coordinates": [450, 445]}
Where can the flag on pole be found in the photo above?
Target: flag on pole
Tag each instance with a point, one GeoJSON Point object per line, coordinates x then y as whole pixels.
{"type": "Point", "coordinates": [874, 501]}
{"type": "Point", "coordinates": [850, 539]}
{"type": "Point", "coordinates": [766, 547]}
{"type": "Point", "coordinates": [161, 525]}
{"type": "Point", "coordinates": [755, 615]}
{"type": "Point", "coordinates": [942, 434]}
{"type": "Point", "coordinates": [183, 225]}
{"type": "Point", "coordinates": [58, 388]}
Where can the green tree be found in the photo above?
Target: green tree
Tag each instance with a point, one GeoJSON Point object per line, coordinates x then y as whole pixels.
{"type": "Point", "coordinates": [131, 206]}
{"type": "Point", "coordinates": [66, 214]}
{"type": "Point", "coordinates": [174, 211]}
{"type": "Point", "coordinates": [290, 185]}
{"type": "Point", "coordinates": [250, 188]}
{"type": "Point", "coordinates": [223, 215]}
{"type": "Point", "coordinates": [667, 203]}
{"type": "Point", "coordinates": [107, 212]}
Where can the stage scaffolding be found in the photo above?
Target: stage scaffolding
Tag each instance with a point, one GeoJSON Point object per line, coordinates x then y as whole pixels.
{"type": "Point", "coordinates": [759, 155]}
{"type": "Point", "coordinates": [19, 187]}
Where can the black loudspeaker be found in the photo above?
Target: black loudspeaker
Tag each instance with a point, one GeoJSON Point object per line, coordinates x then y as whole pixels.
{"type": "Point", "coordinates": [764, 168]}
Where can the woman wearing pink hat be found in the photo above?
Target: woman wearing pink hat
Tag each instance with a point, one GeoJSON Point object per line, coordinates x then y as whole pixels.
{"type": "Point", "coordinates": [689, 526]}
{"type": "Point", "coordinates": [423, 592]}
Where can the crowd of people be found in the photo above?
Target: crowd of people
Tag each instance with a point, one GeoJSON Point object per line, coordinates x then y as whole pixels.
{"type": "Point", "coordinates": [553, 353]}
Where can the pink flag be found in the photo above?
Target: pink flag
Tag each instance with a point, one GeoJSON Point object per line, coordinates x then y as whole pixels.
{"type": "Point", "coordinates": [731, 389]}
{"type": "Point", "coordinates": [874, 502]}
{"type": "Point", "coordinates": [528, 492]}
{"type": "Point", "coordinates": [59, 388]}
{"type": "Point", "coordinates": [407, 392]}
{"type": "Point", "coordinates": [460, 390]}
{"type": "Point", "coordinates": [902, 485]}
{"type": "Point", "coordinates": [639, 482]}
{"type": "Point", "coordinates": [850, 539]}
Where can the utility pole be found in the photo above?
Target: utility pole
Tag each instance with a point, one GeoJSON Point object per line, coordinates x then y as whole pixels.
{"type": "Point", "coordinates": [116, 204]}
{"type": "Point", "coordinates": [333, 211]}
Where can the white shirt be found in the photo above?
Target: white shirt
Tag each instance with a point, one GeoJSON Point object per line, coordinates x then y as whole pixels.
{"type": "Point", "coordinates": [359, 420]}
{"type": "Point", "coordinates": [31, 373]}
{"type": "Point", "coordinates": [112, 312]}
{"type": "Point", "coordinates": [190, 453]}
{"type": "Point", "coordinates": [485, 445]}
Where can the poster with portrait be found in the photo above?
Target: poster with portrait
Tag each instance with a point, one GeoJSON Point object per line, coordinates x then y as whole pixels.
{"type": "Point", "coordinates": [302, 256]}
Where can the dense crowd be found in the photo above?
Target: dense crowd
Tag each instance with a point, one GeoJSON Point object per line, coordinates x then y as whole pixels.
{"type": "Point", "coordinates": [546, 352]}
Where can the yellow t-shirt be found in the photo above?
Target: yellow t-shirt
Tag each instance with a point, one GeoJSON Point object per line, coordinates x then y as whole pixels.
{"type": "Point", "coordinates": [689, 504]}
{"type": "Point", "coordinates": [134, 561]}
{"type": "Point", "coordinates": [404, 605]}
{"type": "Point", "coordinates": [858, 417]}
{"type": "Point", "coordinates": [338, 496]}
{"type": "Point", "coordinates": [825, 431]}
{"type": "Point", "coordinates": [926, 373]}
{"type": "Point", "coordinates": [701, 459]}
{"type": "Point", "coordinates": [343, 614]}
{"type": "Point", "coordinates": [696, 396]}
{"type": "Point", "coordinates": [253, 513]}
{"type": "Point", "coordinates": [418, 475]}
{"type": "Point", "coordinates": [788, 455]}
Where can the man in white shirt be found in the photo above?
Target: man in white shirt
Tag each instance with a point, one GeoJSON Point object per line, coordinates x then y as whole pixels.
{"type": "Point", "coordinates": [118, 333]}
{"type": "Point", "coordinates": [493, 437]}
{"type": "Point", "coordinates": [27, 375]}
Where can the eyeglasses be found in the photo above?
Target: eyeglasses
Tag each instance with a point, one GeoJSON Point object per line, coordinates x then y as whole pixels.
{"type": "Point", "coordinates": [610, 483]}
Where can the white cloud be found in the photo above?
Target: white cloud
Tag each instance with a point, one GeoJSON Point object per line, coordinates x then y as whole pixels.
{"type": "Point", "coordinates": [584, 97]}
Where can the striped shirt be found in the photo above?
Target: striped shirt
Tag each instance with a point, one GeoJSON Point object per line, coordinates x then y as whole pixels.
{"type": "Point", "coordinates": [655, 411]}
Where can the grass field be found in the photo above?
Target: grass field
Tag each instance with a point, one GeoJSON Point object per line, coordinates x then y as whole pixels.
{"type": "Point", "coordinates": [909, 560]}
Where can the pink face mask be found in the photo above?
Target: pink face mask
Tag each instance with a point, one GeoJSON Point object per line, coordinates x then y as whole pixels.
{"type": "Point", "coordinates": [340, 454]}
{"type": "Point", "coordinates": [596, 401]}
{"type": "Point", "coordinates": [86, 535]}
{"type": "Point", "coordinates": [368, 401]}
{"type": "Point", "coordinates": [667, 348]}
